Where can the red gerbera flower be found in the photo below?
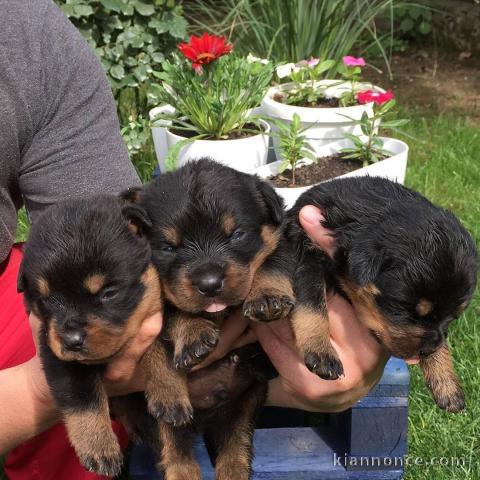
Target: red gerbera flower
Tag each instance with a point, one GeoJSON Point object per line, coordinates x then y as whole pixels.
{"type": "Point", "coordinates": [376, 97]}
{"type": "Point", "coordinates": [204, 49]}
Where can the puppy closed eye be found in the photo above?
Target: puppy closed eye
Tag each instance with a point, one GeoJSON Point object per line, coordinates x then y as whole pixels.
{"type": "Point", "coordinates": [108, 294]}
{"type": "Point", "coordinates": [165, 248]}
{"type": "Point", "coordinates": [238, 235]}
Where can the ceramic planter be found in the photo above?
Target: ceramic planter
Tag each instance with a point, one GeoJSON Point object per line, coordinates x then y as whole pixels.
{"type": "Point", "coordinates": [243, 154]}
{"type": "Point", "coordinates": [159, 133]}
{"type": "Point", "coordinates": [393, 168]}
{"type": "Point", "coordinates": [326, 125]}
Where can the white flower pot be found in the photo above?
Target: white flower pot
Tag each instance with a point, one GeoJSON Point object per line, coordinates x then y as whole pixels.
{"type": "Point", "coordinates": [159, 133]}
{"type": "Point", "coordinates": [393, 168]}
{"type": "Point", "coordinates": [325, 125]}
{"type": "Point", "coordinates": [243, 154]}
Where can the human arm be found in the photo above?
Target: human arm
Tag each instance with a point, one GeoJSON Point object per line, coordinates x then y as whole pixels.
{"type": "Point", "coordinates": [75, 148]}
{"type": "Point", "coordinates": [27, 407]}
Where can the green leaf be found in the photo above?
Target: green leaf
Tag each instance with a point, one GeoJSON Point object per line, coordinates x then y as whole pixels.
{"type": "Point", "coordinates": [82, 10]}
{"type": "Point", "coordinates": [141, 73]}
{"type": "Point", "coordinates": [117, 71]}
{"type": "Point", "coordinates": [144, 9]}
{"type": "Point", "coordinates": [415, 12]}
{"type": "Point", "coordinates": [158, 57]}
{"type": "Point", "coordinates": [68, 10]}
{"type": "Point", "coordinates": [425, 28]}
{"type": "Point", "coordinates": [115, 5]}
{"type": "Point", "coordinates": [178, 27]}
{"type": "Point", "coordinates": [172, 158]}
{"type": "Point", "coordinates": [324, 66]}
{"type": "Point", "coordinates": [395, 123]}
{"type": "Point", "coordinates": [158, 25]}
{"type": "Point", "coordinates": [284, 165]}
{"type": "Point", "coordinates": [406, 25]}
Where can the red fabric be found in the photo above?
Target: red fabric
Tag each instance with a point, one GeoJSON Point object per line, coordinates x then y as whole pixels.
{"type": "Point", "coordinates": [49, 456]}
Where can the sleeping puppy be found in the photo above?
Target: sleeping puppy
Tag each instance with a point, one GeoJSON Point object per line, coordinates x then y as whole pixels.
{"type": "Point", "coordinates": [408, 267]}
{"type": "Point", "coordinates": [212, 232]}
{"type": "Point", "coordinates": [87, 275]}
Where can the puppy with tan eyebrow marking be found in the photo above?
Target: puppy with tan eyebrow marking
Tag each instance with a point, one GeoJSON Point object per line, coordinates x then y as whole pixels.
{"type": "Point", "coordinates": [87, 275]}
{"type": "Point", "coordinates": [213, 232]}
{"type": "Point", "coordinates": [408, 267]}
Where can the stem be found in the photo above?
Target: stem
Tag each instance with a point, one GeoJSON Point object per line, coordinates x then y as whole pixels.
{"type": "Point", "coordinates": [293, 173]}
{"type": "Point", "coordinates": [369, 144]}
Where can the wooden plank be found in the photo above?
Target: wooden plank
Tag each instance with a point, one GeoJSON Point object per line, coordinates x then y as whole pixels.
{"type": "Point", "coordinates": [375, 427]}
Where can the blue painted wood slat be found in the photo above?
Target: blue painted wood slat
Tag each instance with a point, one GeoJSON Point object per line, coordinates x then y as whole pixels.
{"type": "Point", "coordinates": [371, 438]}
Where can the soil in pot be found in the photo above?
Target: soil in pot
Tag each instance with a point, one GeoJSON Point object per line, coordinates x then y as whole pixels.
{"type": "Point", "coordinates": [320, 102]}
{"type": "Point", "coordinates": [324, 169]}
{"type": "Point", "coordinates": [249, 130]}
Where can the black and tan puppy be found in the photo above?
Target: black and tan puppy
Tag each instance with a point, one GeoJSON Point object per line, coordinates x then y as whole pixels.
{"type": "Point", "coordinates": [408, 267]}
{"type": "Point", "coordinates": [213, 231]}
{"type": "Point", "coordinates": [87, 275]}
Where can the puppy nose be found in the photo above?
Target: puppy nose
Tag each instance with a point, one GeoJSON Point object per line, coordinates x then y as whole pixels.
{"type": "Point", "coordinates": [210, 285]}
{"type": "Point", "coordinates": [208, 279]}
{"type": "Point", "coordinates": [74, 340]}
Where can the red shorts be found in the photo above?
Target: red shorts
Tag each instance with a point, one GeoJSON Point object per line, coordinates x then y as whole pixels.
{"type": "Point", "coordinates": [49, 456]}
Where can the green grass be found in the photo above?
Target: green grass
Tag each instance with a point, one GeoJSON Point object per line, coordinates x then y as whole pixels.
{"type": "Point", "coordinates": [444, 165]}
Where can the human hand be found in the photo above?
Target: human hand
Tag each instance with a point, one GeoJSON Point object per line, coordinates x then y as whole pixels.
{"type": "Point", "coordinates": [362, 357]}
{"type": "Point", "coordinates": [124, 373]}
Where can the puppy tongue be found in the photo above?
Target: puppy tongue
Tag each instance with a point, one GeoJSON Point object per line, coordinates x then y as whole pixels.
{"type": "Point", "coordinates": [412, 361]}
{"type": "Point", "coordinates": [216, 307]}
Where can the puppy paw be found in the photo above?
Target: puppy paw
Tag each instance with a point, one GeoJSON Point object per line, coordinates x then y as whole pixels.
{"type": "Point", "coordinates": [267, 308]}
{"type": "Point", "coordinates": [196, 347]}
{"type": "Point", "coordinates": [452, 399]}
{"type": "Point", "coordinates": [106, 461]}
{"type": "Point", "coordinates": [326, 365]}
{"type": "Point", "coordinates": [177, 413]}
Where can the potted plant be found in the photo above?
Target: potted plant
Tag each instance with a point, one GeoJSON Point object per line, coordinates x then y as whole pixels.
{"type": "Point", "coordinates": [209, 93]}
{"type": "Point", "coordinates": [367, 154]}
{"type": "Point", "coordinates": [328, 107]}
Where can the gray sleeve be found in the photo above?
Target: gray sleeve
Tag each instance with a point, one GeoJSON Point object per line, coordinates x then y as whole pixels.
{"type": "Point", "coordinates": [76, 148]}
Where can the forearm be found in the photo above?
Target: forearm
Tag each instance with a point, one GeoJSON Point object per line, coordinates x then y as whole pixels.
{"type": "Point", "coordinates": [26, 407]}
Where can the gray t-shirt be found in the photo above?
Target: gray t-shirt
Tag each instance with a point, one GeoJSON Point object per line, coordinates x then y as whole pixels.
{"type": "Point", "coordinates": [59, 132]}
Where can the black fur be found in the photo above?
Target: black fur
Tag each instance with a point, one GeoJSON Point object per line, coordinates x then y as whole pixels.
{"type": "Point", "coordinates": [209, 224]}
{"type": "Point", "coordinates": [397, 242]}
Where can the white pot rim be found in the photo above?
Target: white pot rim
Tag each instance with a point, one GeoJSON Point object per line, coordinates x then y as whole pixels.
{"type": "Point", "coordinates": [265, 125]}
{"type": "Point", "coordinates": [326, 150]}
{"type": "Point", "coordinates": [315, 114]}
{"type": "Point", "coordinates": [268, 170]}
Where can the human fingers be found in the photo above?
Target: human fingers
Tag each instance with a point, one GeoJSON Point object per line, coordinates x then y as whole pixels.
{"type": "Point", "coordinates": [123, 370]}
{"type": "Point", "coordinates": [310, 219]}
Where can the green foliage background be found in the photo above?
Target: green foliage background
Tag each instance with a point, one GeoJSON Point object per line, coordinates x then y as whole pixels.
{"type": "Point", "coordinates": [131, 39]}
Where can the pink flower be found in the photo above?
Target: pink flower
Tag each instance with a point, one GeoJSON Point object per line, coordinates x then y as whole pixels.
{"type": "Point", "coordinates": [353, 61]}
{"type": "Point", "coordinates": [376, 97]}
{"type": "Point", "coordinates": [312, 62]}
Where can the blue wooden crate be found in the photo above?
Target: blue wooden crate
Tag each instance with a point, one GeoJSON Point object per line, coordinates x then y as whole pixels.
{"type": "Point", "coordinates": [365, 442]}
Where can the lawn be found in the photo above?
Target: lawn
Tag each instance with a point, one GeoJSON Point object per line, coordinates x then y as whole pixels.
{"type": "Point", "coordinates": [444, 165]}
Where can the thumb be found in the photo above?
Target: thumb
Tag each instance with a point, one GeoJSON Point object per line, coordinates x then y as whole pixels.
{"type": "Point", "coordinates": [310, 219]}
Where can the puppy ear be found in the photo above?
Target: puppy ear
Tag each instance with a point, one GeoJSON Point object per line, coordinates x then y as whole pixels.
{"type": "Point", "coordinates": [138, 219]}
{"type": "Point", "coordinates": [272, 200]}
{"type": "Point", "coordinates": [132, 195]}
{"type": "Point", "coordinates": [365, 265]}
{"type": "Point", "coordinates": [21, 281]}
